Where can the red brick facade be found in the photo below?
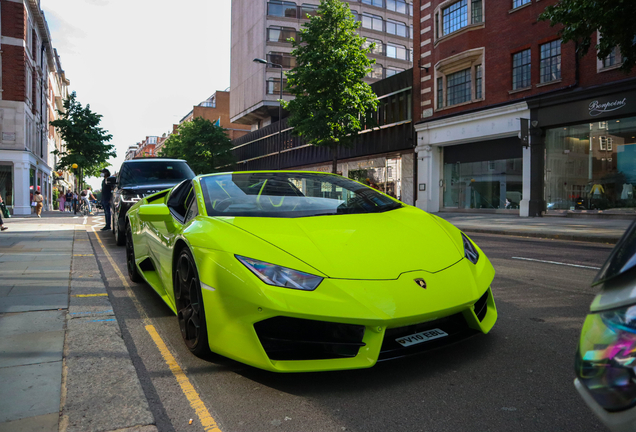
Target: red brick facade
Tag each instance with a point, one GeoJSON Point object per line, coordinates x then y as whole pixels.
{"type": "Point", "coordinates": [503, 33]}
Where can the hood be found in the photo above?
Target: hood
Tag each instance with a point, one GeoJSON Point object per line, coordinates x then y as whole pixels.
{"type": "Point", "coordinates": [360, 246]}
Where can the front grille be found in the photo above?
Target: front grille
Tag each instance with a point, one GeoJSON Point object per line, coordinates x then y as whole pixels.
{"type": "Point", "coordinates": [285, 338]}
{"type": "Point", "coordinates": [481, 307]}
{"type": "Point", "coordinates": [455, 326]}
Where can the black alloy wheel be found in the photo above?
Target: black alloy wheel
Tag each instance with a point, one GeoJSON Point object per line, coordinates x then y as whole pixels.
{"type": "Point", "coordinates": [133, 272]}
{"type": "Point", "coordinates": [190, 311]}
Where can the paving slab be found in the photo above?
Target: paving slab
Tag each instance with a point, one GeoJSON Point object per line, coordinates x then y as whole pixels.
{"type": "Point", "coordinates": [31, 348]}
{"type": "Point", "coordinates": [38, 290]}
{"type": "Point", "coordinates": [43, 423]}
{"type": "Point", "coordinates": [21, 258]}
{"type": "Point", "coordinates": [29, 391]}
{"type": "Point", "coordinates": [33, 303]}
{"type": "Point", "coordinates": [5, 289]}
{"type": "Point", "coordinates": [31, 322]}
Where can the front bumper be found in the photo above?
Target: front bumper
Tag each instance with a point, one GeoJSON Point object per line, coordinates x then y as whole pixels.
{"type": "Point", "coordinates": [622, 421]}
{"type": "Point", "coordinates": [457, 300]}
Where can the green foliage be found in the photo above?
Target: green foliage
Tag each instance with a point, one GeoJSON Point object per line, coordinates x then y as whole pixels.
{"type": "Point", "coordinates": [331, 101]}
{"type": "Point", "coordinates": [202, 144]}
{"type": "Point", "coordinates": [614, 19]}
{"type": "Point", "coordinates": [86, 142]}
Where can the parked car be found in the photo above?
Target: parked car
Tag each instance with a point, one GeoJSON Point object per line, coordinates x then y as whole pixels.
{"type": "Point", "coordinates": [138, 178]}
{"type": "Point", "coordinates": [273, 269]}
{"type": "Point", "coordinates": [605, 362]}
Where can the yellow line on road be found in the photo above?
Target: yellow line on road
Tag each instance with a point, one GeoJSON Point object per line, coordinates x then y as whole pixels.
{"type": "Point", "coordinates": [207, 421]}
{"type": "Point", "coordinates": [83, 255]}
{"type": "Point", "coordinates": [90, 295]}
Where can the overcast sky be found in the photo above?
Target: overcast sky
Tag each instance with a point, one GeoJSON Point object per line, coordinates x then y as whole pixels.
{"type": "Point", "coordinates": [142, 64]}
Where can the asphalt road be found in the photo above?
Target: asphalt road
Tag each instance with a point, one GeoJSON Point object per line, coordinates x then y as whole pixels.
{"type": "Point", "coordinates": [518, 377]}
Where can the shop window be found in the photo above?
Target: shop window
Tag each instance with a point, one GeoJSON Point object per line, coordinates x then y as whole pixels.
{"type": "Point", "coordinates": [458, 15]}
{"type": "Point", "coordinates": [282, 9]}
{"type": "Point", "coordinates": [521, 67]}
{"type": "Point", "coordinates": [550, 68]}
{"type": "Point", "coordinates": [280, 34]}
{"type": "Point", "coordinates": [372, 22]}
{"type": "Point", "coordinates": [519, 3]}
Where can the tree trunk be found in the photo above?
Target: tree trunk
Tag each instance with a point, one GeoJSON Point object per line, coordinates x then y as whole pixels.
{"type": "Point", "coordinates": [334, 166]}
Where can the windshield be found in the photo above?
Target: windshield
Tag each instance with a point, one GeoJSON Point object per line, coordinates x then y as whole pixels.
{"type": "Point", "coordinates": [154, 173]}
{"type": "Point", "coordinates": [289, 194]}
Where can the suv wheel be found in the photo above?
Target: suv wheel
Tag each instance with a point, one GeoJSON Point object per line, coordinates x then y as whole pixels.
{"type": "Point", "coordinates": [120, 234]}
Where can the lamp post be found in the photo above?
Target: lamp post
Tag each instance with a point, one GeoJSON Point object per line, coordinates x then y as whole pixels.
{"type": "Point", "coordinates": [280, 103]}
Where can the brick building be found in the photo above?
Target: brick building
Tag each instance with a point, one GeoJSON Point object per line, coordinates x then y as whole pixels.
{"type": "Point", "coordinates": [216, 109]}
{"type": "Point", "coordinates": [32, 81]}
{"type": "Point", "coordinates": [509, 119]}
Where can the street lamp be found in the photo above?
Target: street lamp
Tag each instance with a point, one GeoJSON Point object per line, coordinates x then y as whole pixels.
{"type": "Point", "coordinates": [280, 103]}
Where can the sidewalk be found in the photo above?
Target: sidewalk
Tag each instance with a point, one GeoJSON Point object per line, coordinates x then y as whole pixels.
{"type": "Point", "coordinates": [63, 363]}
{"type": "Point", "coordinates": [588, 229]}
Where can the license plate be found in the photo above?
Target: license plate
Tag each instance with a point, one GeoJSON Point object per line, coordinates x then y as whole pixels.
{"type": "Point", "coordinates": [420, 337]}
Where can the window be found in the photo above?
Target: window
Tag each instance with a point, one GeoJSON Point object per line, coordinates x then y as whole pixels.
{"type": "Point", "coordinates": [390, 71]}
{"type": "Point", "coordinates": [377, 72]}
{"type": "Point", "coordinates": [458, 15]}
{"type": "Point", "coordinates": [396, 6]}
{"type": "Point", "coordinates": [458, 87]}
{"type": "Point", "coordinates": [605, 143]}
{"type": "Point", "coordinates": [152, 140]}
{"type": "Point", "coordinates": [379, 47]}
{"type": "Point", "coordinates": [551, 61]}
{"type": "Point", "coordinates": [519, 3]}
{"type": "Point", "coordinates": [286, 60]}
{"type": "Point", "coordinates": [478, 82]}
{"type": "Point", "coordinates": [521, 70]}
{"type": "Point", "coordinates": [378, 3]}
{"type": "Point", "coordinates": [396, 51]}
{"type": "Point", "coordinates": [280, 34]}
{"type": "Point", "coordinates": [613, 59]}
{"type": "Point", "coordinates": [281, 9]}
{"type": "Point", "coordinates": [396, 28]}
{"type": "Point", "coordinates": [372, 22]}
{"type": "Point", "coordinates": [273, 86]}
{"type": "Point", "coordinates": [440, 93]}
{"type": "Point", "coordinates": [307, 9]}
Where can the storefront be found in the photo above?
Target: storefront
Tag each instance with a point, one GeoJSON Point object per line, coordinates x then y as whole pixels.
{"type": "Point", "coordinates": [474, 162]}
{"type": "Point", "coordinates": [590, 152]}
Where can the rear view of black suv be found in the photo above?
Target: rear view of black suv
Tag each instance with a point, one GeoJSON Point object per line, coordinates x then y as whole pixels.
{"type": "Point", "coordinates": [138, 178]}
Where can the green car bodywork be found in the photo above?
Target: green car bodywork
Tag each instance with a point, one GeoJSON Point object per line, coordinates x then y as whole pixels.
{"type": "Point", "coordinates": [369, 263]}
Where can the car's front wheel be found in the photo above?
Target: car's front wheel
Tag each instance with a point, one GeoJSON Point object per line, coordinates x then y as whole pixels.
{"type": "Point", "coordinates": [190, 310]}
{"type": "Point", "coordinates": [133, 272]}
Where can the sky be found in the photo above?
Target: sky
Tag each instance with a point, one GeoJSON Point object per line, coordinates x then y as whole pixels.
{"type": "Point", "coordinates": [141, 64]}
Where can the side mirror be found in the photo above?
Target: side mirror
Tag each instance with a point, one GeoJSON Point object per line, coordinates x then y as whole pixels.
{"type": "Point", "coordinates": [154, 213]}
{"type": "Point", "coordinates": [111, 181]}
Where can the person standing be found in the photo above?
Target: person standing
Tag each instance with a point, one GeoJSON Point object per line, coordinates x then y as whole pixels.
{"type": "Point", "coordinates": [38, 198]}
{"type": "Point", "coordinates": [75, 202]}
{"type": "Point", "coordinates": [62, 201]}
{"type": "Point", "coordinates": [69, 200]}
{"type": "Point", "coordinates": [107, 194]}
{"type": "Point", "coordinates": [2, 227]}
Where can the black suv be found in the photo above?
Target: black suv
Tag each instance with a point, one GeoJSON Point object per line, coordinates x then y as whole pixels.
{"type": "Point", "coordinates": [138, 178]}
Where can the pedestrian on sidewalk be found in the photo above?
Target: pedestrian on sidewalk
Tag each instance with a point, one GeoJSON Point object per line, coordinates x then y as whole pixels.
{"type": "Point", "coordinates": [2, 227]}
{"type": "Point", "coordinates": [69, 200]}
{"type": "Point", "coordinates": [75, 201]}
{"type": "Point", "coordinates": [107, 194]}
{"type": "Point", "coordinates": [62, 201]}
{"type": "Point", "coordinates": [38, 198]}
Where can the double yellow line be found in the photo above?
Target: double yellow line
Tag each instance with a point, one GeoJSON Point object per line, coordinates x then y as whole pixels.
{"type": "Point", "coordinates": [207, 421]}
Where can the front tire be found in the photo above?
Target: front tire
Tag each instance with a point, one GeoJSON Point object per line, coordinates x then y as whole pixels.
{"type": "Point", "coordinates": [189, 302]}
{"type": "Point", "coordinates": [133, 272]}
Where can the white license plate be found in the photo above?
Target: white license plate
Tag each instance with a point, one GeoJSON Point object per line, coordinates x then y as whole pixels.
{"type": "Point", "coordinates": [420, 337]}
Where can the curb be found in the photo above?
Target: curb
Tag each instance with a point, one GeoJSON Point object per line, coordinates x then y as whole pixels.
{"type": "Point", "coordinates": [571, 237]}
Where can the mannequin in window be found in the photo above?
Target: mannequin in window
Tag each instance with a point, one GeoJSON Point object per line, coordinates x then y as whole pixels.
{"type": "Point", "coordinates": [628, 191]}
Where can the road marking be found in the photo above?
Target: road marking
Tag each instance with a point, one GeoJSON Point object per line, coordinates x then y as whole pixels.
{"type": "Point", "coordinates": [557, 263]}
{"type": "Point", "coordinates": [103, 320]}
{"type": "Point", "coordinates": [91, 313]}
{"type": "Point", "coordinates": [83, 255]}
{"type": "Point", "coordinates": [207, 421]}
{"type": "Point", "coordinates": [90, 295]}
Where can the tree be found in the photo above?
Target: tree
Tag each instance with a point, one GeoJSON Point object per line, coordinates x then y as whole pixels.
{"type": "Point", "coordinates": [613, 19]}
{"type": "Point", "coordinates": [86, 142]}
{"type": "Point", "coordinates": [202, 144]}
{"type": "Point", "coordinates": [332, 101]}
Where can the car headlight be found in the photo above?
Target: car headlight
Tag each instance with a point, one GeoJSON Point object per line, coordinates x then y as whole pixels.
{"type": "Point", "coordinates": [273, 274]}
{"type": "Point", "coordinates": [130, 196]}
{"type": "Point", "coordinates": [606, 358]}
{"type": "Point", "coordinates": [470, 251]}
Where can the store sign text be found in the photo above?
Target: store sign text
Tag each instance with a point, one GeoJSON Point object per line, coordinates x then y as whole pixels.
{"type": "Point", "coordinates": [597, 108]}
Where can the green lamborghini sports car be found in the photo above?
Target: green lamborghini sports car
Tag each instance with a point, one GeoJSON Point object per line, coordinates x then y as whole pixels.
{"type": "Point", "coordinates": [293, 271]}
